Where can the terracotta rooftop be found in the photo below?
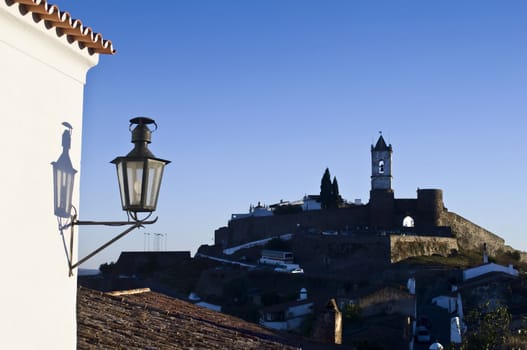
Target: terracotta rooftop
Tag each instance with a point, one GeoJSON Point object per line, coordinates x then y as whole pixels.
{"type": "Point", "coordinates": [65, 25]}
{"type": "Point", "coordinates": [149, 320]}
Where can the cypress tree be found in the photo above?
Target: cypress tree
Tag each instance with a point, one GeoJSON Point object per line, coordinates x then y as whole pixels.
{"type": "Point", "coordinates": [336, 199]}
{"type": "Point", "coordinates": [326, 188]}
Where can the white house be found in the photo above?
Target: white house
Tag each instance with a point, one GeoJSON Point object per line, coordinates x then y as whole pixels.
{"type": "Point", "coordinates": [259, 210]}
{"type": "Point", "coordinates": [44, 58]}
{"type": "Point", "coordinates": [488, 268]}
{"type": "Point", "coordinates": [311, 202]}
{"type": "Point", "coordinates": [287, 316]}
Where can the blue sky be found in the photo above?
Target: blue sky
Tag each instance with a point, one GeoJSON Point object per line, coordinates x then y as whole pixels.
{"type": "Point", "coordinates": [254, 99]}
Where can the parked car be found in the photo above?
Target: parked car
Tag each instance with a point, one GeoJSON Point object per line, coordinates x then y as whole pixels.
{"type": "Point", "coordinates": [291, 268]}
{"type": "Point", "coordinates": [422, 334]}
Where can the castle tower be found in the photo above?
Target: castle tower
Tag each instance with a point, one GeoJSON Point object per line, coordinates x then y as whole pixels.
{"type": "Point", "coordinates": [381, 193]}
{"type": "Point", "coordinates": [381, 166]}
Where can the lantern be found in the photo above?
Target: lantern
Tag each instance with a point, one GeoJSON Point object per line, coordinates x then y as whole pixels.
{"type": "Point", "coordinates": [139, 173]}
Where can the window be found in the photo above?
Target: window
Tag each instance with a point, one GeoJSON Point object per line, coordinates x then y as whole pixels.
{"type": "Point", "coordinates": [381, 166]}
{"type": "Point", "coordinates": [408, 221]}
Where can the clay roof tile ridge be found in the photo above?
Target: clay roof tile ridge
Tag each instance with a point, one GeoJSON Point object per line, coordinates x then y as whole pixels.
{"type": "Point", "coordinates": [63, 20]}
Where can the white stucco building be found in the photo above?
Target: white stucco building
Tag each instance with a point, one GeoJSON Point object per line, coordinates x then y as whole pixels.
{"type": "Point", "coordinates": [488, 268]}
{"type": "Point", "coordinates": [44, 58]}
{"type": "Point", "coordinates": [287, 316]}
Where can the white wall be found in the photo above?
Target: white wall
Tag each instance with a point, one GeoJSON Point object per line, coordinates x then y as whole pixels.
{"type": "Point", "coordinates": [41, 85]}
{"type": "Point", "coordinates": [487, 268]}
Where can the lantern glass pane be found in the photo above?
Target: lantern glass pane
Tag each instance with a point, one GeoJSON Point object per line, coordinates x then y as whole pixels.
{"type": "Point", "coordinates": [67, 192]}
{"type": "Point", "coordinates": [59, 191]}
{"type": "Point", "coordinates": [120, 178]}
{"type": "Point", "coordinates": [134, 171]}
{"type": "Point", "coordinates": [155, 173]}
{"type": "Point", "coordinates": [63, 191]}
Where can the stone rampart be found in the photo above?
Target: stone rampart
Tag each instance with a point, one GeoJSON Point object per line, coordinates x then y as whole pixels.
{"type": "Point", "coordinates": [403, 247]}
{"type": "Point", "coordinates": [254, 228]}
{"type": "Point", "coordinates": [355, 257]}
{"type": "Point", "coordinates": [471, 236]}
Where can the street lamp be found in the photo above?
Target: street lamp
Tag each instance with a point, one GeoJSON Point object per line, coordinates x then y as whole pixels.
{"type": "Point", "coordinates": [139, 174]}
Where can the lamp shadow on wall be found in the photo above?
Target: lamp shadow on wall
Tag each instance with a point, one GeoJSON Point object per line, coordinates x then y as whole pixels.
{"type": "Point", "coordinates": [63, 184]}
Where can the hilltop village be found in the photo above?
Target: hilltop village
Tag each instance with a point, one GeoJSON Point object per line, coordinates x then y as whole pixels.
{"type": "Point", "coordinates": [325, 272]}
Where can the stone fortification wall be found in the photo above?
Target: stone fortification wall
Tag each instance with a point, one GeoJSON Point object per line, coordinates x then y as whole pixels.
{"type": "Point", "coordinates": [353, 257]}
{"type": "Point", "coordinates": [254, 228]}
{"type": "Point", "coordinates": [431, 219]}
{"type": "Point", "coordinates": [470, 235]}
{"type": "Point", "coordinates": [429, 207]}
{"type": "Point", "coordinates": [403, 247]}
{"type": "Point", "coordinates": [388, 300]}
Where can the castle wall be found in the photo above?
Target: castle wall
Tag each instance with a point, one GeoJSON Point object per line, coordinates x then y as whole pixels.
{"type": "Point", "coordinates": [470, 235]}
{"type": "Point", "coordinates": [429, 207]}
{"type": "Point", "coordinates": [403, 247]}
{"type": "Point", "coordinates": [254, 228]}
{"type": "Point", "coordinates": [432, 234]}
{"type": "Point", "coordinates": [382, 205]}
{"type": "Point", "coordinates": [404, 207]}
{"type": "Point", "coordinates": [354, 257]}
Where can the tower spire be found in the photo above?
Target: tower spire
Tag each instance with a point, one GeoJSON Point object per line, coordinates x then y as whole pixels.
{"type": "Point", "coordinates": [381, 165]}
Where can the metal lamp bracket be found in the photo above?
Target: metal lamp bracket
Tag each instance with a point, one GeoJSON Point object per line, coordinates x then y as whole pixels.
{"type": "Point", "coordinates": [74, 222]}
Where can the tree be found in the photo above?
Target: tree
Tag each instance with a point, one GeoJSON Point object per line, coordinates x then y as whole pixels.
{"type": "Point", "coordinates": [106, 268]}
{"type": "Point", "coordinates": [329, 192]}
{"type": "Point", "coordinates": [488, 328]}
{"type": "Point", "coordinates": [336, 199]}
{"type": "Point", "coordinates": [326, 189]}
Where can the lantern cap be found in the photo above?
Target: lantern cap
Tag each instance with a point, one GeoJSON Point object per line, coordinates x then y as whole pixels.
{"type": "Point", "coordinates": [142, 121]}
{"type": "Point", "coordinates": [142, 133]}
{"type": "Point", "coordinates": [141, 136]}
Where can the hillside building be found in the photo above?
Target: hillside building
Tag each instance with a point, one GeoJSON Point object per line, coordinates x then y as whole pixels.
{"type": "Point", "coordinates": [287, 316]}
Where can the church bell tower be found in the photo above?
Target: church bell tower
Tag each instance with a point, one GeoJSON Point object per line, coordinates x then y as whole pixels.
{"type": "Point", "coordinates": [381, 194]}
{"type": "Point", "coordinates": [381, 166]}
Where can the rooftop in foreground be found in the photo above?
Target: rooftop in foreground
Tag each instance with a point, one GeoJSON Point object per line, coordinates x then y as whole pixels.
{"type": "Point", "coordinates": [143, 319]}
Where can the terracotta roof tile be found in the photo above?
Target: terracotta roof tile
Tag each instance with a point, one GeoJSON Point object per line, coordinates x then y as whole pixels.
{"type": "Point", "coordinates": [149, 320]}
{"type": "Point", "coordinates": [66, 25]}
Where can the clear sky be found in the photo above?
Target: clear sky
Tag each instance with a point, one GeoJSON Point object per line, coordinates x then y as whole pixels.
{"type": "Point", "coordinates": [254, 99]}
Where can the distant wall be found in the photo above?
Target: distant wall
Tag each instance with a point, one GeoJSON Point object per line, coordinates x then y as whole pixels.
{"type": "Point", "coordinates": [470, 235]}
{"type": "Point", "coordinates": [137, 262]}
{"type": "Point", "coordinates": [403, 247]}
{"type": "Point", "coordinates": [351, 257]}
{"type": "Point", "coordinates": [429, 206]}
{"type": "Point", "coordinates": [383, 212]}
{"type": "Point", "coordinates": [388, 301]}
{"type": "Point", "coordinates": [254, 228]}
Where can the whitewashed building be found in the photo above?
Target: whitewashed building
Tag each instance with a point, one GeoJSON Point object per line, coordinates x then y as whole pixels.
{"type": "Point", "coordinates": [44, 58]}
{"type": "Point", "coordinates": [287, 316]}
{"type": "Point", "coordinates": [488, 268]}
